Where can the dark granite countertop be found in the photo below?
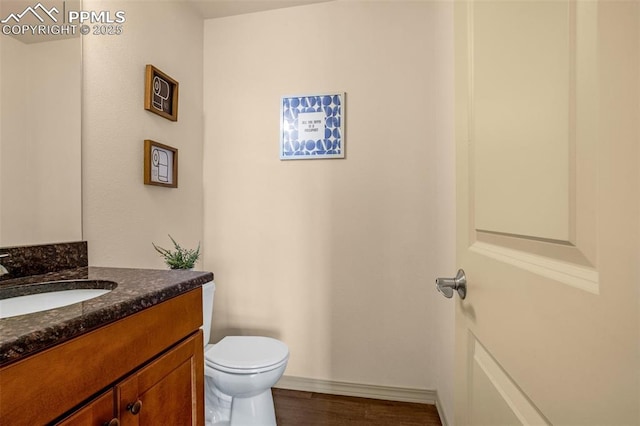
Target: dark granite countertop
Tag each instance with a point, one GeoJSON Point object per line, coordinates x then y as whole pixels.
{"type": "Point", "coordinates": [137, 289]}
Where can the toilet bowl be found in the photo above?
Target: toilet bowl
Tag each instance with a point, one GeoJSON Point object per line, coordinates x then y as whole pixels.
{"type": "Point", "coordinates": [239, 374]}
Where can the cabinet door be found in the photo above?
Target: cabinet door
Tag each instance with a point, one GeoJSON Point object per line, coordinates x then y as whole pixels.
{"type": "Point", "coordinates": [168, 391]}
{"type": "Point", "coordinates": [99, 412]}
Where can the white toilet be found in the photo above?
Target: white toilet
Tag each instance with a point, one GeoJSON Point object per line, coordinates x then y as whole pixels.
{"type": "Point", "coordinates": [239, 373]}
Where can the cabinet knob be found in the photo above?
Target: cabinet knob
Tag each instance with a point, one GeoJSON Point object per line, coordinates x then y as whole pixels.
{"type": "Point", "coordinates": [113, 422]}
{"type": "Point", "coordinates": [135, 407]}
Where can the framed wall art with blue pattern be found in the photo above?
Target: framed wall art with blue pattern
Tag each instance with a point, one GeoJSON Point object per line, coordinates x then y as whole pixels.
{"type": "Point", "coordinates": [312, 126]}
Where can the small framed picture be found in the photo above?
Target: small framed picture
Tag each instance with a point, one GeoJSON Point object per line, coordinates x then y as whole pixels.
{"type": "Point", "coordinates": [160, 93]}
{"type": "Point", "coordinates": [312, 126]}
{"type": "Point", "coordinates": [160, 164]}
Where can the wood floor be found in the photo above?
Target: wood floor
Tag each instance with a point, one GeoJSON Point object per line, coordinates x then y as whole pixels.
{"type": "Point", "coordinates": [295, 408]}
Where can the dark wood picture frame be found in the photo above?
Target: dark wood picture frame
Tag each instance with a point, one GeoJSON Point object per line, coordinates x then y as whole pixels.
{"type": "Point", "coordinates": [160, 93]}
{"type": "Point", "coordinates": [160, 164]}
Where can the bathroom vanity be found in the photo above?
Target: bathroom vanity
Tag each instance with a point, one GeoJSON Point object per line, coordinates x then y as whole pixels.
{"type": "Point", "coordinates": [133, 356]}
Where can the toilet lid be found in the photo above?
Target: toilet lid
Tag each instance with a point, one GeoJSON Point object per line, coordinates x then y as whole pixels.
{"type": "Point", "coordinates": [247, 352]}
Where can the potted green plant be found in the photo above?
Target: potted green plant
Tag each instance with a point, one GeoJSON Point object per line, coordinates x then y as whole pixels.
{"type": "Point", "coordinates": [180, 258]}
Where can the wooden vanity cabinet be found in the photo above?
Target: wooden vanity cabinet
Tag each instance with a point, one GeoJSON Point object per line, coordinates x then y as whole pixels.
{"type": "Point", "coordinates": [146, 369]}
{"type": "Point", "coordinates": [99, 412]}
{"type": "Point", "coordinates": [164, 392]}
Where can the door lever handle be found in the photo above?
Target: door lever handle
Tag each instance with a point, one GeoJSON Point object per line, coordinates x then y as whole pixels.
{"type": "Point", "coordinates": [447, 285]}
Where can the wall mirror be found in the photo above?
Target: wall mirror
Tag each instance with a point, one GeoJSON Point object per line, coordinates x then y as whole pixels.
{"type": "Point", "coordinates": [40, 134]}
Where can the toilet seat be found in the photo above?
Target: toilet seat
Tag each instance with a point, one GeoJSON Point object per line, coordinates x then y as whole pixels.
{"type": "Point", "coordinates": [246, 354]}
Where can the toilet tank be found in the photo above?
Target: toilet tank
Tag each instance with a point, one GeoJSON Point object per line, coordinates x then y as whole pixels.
{"type": "Point", "coordinates": [208, 291]}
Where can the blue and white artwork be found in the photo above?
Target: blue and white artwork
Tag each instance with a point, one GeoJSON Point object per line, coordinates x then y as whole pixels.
{"type": "Point", "coordinates": [312, 126]}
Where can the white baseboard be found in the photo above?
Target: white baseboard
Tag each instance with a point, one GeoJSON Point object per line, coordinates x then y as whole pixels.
{"type": "Point", "coordinates": [391, 393]}
{"type": "Point", "coordinates": [441, 413]}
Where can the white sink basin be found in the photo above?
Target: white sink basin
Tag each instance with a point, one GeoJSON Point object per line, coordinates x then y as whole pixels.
{"type": "Point", "coordinates": [30, 303]}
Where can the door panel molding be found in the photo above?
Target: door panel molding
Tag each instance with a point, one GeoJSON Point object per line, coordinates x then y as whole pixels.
{"type": "Point", "coordinates": [522, 78]}
{"type": "Point", "coordinates": [509, 393]}
{"type": "Point", "coordinates": [569, 249]}
{"type": "Point", "coordinates": [580, 277]}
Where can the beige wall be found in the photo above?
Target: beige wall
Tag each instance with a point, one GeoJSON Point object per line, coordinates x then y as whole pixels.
{"type": "Point", "coordinates": [122, 216]}
{"type": "Point", "coordinates": [335, 257]}
{"type": "Point", "coordinates": [40, 142]}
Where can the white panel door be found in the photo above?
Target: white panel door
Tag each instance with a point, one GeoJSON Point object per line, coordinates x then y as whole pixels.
{"type": "Point", "coordinates": [548, 220]}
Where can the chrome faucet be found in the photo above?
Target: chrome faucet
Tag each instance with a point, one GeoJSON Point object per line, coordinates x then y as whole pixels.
{"type": "Point", "coordinates": [3, 270]}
